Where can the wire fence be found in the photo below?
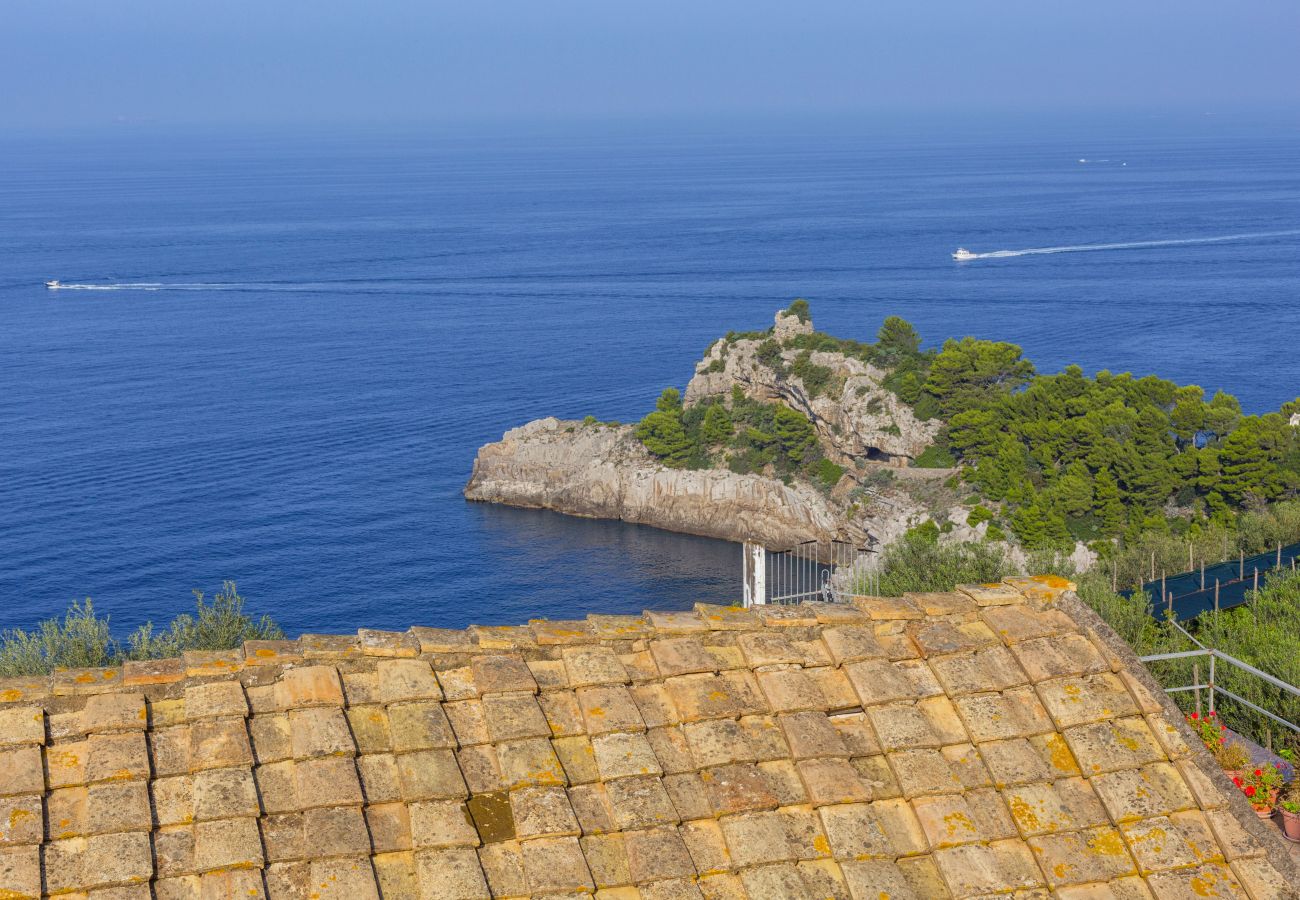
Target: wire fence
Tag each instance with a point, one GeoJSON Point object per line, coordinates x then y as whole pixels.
{"type": "Point", "coordinates": [1223, 585]}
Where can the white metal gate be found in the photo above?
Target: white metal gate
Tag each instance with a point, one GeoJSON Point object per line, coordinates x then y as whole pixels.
{"type": "Point", "coordinates": [829, 571]}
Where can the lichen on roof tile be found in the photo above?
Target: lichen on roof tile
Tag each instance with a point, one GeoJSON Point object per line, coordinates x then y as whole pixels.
{"type": "Point", "coordinates": [985, 741]}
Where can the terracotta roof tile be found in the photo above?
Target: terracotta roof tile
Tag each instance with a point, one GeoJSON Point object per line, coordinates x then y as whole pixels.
{"type": "Point", "coordinates": [985, 741]}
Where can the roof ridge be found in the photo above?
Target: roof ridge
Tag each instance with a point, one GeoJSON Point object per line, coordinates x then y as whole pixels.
{"type": "Point", "coordinates": [423, 640]}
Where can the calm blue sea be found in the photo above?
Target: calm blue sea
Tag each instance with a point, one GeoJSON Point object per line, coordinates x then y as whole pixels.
{"type": "Point", "coordinates": [334, 323]}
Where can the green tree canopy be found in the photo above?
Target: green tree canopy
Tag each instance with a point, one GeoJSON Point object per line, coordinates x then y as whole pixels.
{"type": "Point", "coordinates": [971, 373]}
{"type": "Point", "coordinates": [793, 432]}
{"type": "Point", "coordinates": [799, 309]}
{"type": "Point", "coordinates": [717, 426]}
{"type": "Point", "coordinates": [896, 341]}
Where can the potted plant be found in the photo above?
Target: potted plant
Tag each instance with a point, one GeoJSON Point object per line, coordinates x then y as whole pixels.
{"type": "Point", "coordinates": [1261, 786]}
{"type": "Point", "coordinates": [1289, 807]}
{"type": "Point", "coordinates": [1233, 758]}
{"type": "Point", "coordinates": [1208, 728]}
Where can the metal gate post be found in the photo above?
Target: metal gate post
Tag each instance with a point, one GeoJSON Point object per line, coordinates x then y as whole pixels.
{"type": "Point", "coordinates": [755, 572]}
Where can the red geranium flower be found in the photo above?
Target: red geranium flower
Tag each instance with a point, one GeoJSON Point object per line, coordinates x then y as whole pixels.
{"type": "Point", "coordinates": [1213, 713]}
{"type": "Point", "coordinates": [1250, 790]}
{"type": "Point", "coordinates": [1195, 716]}
{"type": "Point", "coordinates": [1236, 779]}
{"type": "Point", "coordinates": [1258, 773]}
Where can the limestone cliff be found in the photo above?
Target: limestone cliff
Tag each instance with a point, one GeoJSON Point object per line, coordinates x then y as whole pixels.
{"type": "Point", "coordinates": [603, 471]}
{"type": "Point", "coordinates": [855, 416]}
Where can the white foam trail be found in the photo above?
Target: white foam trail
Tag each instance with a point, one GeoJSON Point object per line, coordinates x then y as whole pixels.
{"type": "Point", "coordinates": [1133, 245]}
{"type": "Point", "coordinates": [140, 286]}
{"type": "Point", "coordinates": [191, 286]}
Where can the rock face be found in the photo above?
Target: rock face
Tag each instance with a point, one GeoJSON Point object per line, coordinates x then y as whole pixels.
{"type": "Point", "coordinates": [856, 417]}
{"type": "Point", "coordinates": [604, 472]}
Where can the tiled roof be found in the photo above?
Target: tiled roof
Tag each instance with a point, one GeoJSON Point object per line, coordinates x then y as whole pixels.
{"type": "Point", "coordinates": [994, 740]}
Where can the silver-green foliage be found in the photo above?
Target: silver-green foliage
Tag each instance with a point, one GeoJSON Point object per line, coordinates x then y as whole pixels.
{"type": "Point", "coordinates": [919, 563]}
{"type": "Point", "coordinates": [83, 638]}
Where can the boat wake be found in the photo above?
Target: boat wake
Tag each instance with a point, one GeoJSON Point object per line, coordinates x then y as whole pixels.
{"type": "Point", "coordinates": [189, 286]}
{"type": "Point", "coordinates": [1130, 245]}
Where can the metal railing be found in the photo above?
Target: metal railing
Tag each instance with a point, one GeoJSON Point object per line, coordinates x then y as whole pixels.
{"type": "Point", "coordinates": [826, 571]}
{"type": "Point", "coordinates": [1214, 688]}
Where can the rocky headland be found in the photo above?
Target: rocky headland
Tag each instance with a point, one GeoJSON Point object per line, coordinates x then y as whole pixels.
{"type": "Point", "coordinates": [603, 470]}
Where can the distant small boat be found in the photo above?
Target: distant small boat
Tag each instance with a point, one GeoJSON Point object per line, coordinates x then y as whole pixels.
{"type": "Point", "coordinates": [53, 285]}
{"type": "Point", "coordinates": [963, 254]}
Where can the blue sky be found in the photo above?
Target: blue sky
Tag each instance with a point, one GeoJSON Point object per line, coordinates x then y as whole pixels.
{"type": "Point", "coordinates": [84, 62]}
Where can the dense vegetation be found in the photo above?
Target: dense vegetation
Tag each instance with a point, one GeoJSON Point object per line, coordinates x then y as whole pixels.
{"type": "Point", "coordinates": [83, 637]}
{"type": "Point", "coordinates": [747, 436]}
{"type": "Point", "coordinates": [1053, 458]}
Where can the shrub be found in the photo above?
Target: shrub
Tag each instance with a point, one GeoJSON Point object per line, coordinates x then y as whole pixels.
{"type": "Point", "coordinates": [934, 457]}
{"type": "Point", "coordinates": [828, 473]}
{"type": "Point", "coordinates": [979, 514]}
{"type": "Point", "coordinates": [83, 638]}
{"type": "Point", "coordinates": [588, 421]}
{"type": "Point", "coordinates": [800, 310]}
{"type": "Point", "coordinates": [220, 625]}
{"type": "Point", "coordinates": [919, 564]}
{"type": "Point", "coordinates": [815, 378]}
{"type": "Point", "coordinates": [1231, 756]}
{"type": "Point", "coordinates": [769, 354]}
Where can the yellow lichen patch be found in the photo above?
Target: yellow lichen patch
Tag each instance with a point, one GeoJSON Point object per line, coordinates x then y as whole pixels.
{"type": "Point", "coordinates": [821, 845]}
{"type": "Point", "coordinates": [1024, 814]}
{"type": "Point", "coordinates": [10, 695]}
{"type": "Point", "coordinates": [1205, 884]}
{"type": "Point", "coordinates": [1061, 870]}
{"type": "Point", "coordinates": [596, 711]}
{"type": "Point", "coordinates": [1056, 582]}
{"type": "Point", "coordinates": [956, 821]}
{"type": "Point", "coordinates": [63, 759]}
{"type": "Point", "coordinates": [1128, 743]}
{"type": "Point", "coordinates": [1108, 843]}
{"type": "Point", "coordinates": [1058, 753]}
{"type": "Point", "coordinates": [264, 653]}
{"type": "Point", "coordinates": [17, 817]}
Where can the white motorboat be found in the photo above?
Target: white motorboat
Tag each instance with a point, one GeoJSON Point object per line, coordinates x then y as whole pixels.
{"type": "Point", "coordinates": [53, 285]}
{"type": "Point", "coordinates": [963, 254]}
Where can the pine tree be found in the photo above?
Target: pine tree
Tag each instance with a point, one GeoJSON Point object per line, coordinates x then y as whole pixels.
{"type": "Point", "coordinates": [970, 373]}
{"type": "Point", "coordinates": [793, 432]}
{"type": "Point", "coordinates": [1072, 492]}
{"type": "Point", "coordinates": [1029, 527]}
{"type": "Point", "coordinates": [897, 340]}
{"type": "Point", "coordinates": [1249, 459]}
{"type": "Point", "coordinates": [1107, 503]}
{"type": "Point", "coordinates": [717, 426]}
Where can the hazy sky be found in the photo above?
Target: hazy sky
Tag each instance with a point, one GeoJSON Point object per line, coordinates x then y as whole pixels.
{"type": "Point", "coordinates": [83, 62]}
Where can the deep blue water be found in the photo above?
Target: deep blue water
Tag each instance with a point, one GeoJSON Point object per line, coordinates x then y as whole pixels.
{"type": "Point", "coordinates": [380, 305]}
